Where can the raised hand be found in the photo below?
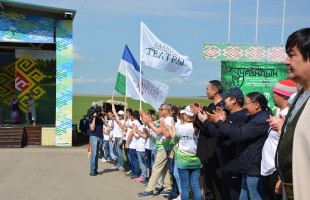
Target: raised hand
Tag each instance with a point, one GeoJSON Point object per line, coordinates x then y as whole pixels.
{"type": "Point", "coordinates": [196, 108]}
{"type": "Point", "coordinates": [221, 113]}
{"type": "Point", "coordinates": [202, 116]}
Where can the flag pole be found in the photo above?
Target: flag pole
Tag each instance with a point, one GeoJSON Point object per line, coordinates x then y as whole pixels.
{"type": "Point", "coordinates": [125, 108]}
{"type": "Point", "coordinates": [113, 95]}
{"type": "Point", "coordinates": [140, 82]}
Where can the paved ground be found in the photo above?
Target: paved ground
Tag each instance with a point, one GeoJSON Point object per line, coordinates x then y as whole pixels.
{"type": "Point", "coordinates": [39, 173]}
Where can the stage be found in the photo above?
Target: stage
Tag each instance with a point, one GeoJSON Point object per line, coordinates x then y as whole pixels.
{"type": "Point", "coordinates": [20, 135]}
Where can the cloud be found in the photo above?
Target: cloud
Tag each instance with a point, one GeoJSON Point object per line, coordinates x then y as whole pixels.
{"type": "Point", "coordinates": [174, 81]}
{"type": "Point", "coordinates": [200, 83]}
{"type": "Point", "coordinates": [109, 80]}
{"type": "Point", "coordinates": [79, 56]}
{"type": "Point", "coordinates": [85, 80]}
{"type": "Point", "coordinates": [82, 80]}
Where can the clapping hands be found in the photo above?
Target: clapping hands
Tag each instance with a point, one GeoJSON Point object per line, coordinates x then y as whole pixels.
{"type": "Point", "coordinates": [218, 114]}
{"type": "Point", "coordinates": [276, 123]}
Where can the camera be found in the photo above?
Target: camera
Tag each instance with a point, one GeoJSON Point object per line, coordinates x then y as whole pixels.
{"type": "Point", "coordinates": [93, 110]}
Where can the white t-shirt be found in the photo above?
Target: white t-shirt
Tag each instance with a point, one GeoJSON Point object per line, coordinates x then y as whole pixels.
{"type": "Point", "coordinates": [133, 143]}
{"type": "Point", "coordinates": [118, 132]}
{"type": "Point", "coordinates": [188, 140]}
{"type": "Point", "coordinates": [186, 153]}
{"type": "Point", "coordinates": [178, 123]}
{"type": "Point", "coordinates": [149, 144]}
{"type": "Point", "coordinates": [105, 136]}
{"type": "Point", "coordinates": [111, 129]}
{"type": "Point", "coordinates": [269, 150]}
{"type": "Point", "coordinates": [160, 139]}
{"type": "Point", "coordinates": [128, 123]}
{"type": "Point", "coordinates": [141, 141]}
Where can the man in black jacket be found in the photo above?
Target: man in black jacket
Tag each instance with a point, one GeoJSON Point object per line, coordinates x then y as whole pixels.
{"type": "Point", "coordinates": [250, 138]}
{"type": "Point", "coordinates": [226, 147]}
{"type": "Point", "coordinates": [207, 144]}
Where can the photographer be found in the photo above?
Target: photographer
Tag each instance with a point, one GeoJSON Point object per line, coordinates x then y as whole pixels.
{"type": "Point", "coordinates": [96, 136]}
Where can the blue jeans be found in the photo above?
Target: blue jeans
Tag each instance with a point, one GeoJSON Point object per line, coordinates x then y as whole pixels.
{"type": "Point", "coordinates": [252, 187]}
{"type": "Point", "coordinates": [148, 159]}
{"type": "Point", "coordinates": [142, 163]}
{"type": "Point", "coordinates": [134, 161]}
{"type": "Point", "coordinates": [119, 151]}
{"type": "Point", "coordinates": [127, 157]}
{"type": "Point", "coordinates": [175, 190]}
{"type": "Point", "coordinates": [190, 176]}
{"type": "Point", "coordinates": [112, 150]}
{"type": "Point", "coordinates": [106, 150]}
{"type": "Point", "coordinates": [176, 175]}
{"type": "Point", "coordinates": [95, 143]}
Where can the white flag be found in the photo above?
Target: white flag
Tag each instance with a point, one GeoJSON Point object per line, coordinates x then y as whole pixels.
{"type": "Point", "coordinates": [159, 55]}
{"type": "Point", "coordinates": [152, 92]}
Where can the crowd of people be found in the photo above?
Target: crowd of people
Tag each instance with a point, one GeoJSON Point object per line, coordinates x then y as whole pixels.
{"type": "Point", "coordinates": [234, 148]}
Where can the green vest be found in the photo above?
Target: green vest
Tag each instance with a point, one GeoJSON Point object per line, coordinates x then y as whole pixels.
{"type": "Point", "coordinates": [285, 152]}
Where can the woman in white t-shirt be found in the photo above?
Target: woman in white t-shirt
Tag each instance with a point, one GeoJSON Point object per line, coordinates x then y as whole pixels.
{"type": "Point", "coordinates": [132, 144]}
{"type": "Point", "coordinates": [126, 131]}
{"type": "Point", "coordinates": [187, 162]}
{"type": "Point", "coordinates": [106, 148]}
{"type": "Point", "coordinates": [141, 134]}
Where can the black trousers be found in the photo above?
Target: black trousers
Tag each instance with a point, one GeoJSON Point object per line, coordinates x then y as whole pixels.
{"type": "Point", "coordinates": [29, 117]}
{"type": "Point", "coordinates": [269, 186]}
{"type": "Point", "coordinates": [212, 177]}
{"type": "Point", "coordinates": [231, 181]}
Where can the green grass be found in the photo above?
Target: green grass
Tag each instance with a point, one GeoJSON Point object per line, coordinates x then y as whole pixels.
{"type": "Point", "coordinates": [82, 102]}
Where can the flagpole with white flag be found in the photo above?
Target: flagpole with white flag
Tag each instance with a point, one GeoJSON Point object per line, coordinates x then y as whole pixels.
{"type": "Point", "coordinates": [129, 83]}
{"type": "Point", "coordinates": [140, 70]}
{"type": "Point", "coordinates": [152, 92]}
{"type": "Point", "coordinates": [157, 54]}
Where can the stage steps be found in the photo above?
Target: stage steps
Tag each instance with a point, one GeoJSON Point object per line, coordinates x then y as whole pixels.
{"type": "Point", "coordinates": [33, 135]}
{"type": "Point", "coordinates": [11, 137]}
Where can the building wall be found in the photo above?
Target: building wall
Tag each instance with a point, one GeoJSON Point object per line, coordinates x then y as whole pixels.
{"type": "Point", "coordinates": [64, 55]}
{"type": "Point", "coordinates": [19, 27]}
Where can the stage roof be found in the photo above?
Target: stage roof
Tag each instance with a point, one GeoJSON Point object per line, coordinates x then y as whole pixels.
{"type": "Point", "coordinates": [45, 11]}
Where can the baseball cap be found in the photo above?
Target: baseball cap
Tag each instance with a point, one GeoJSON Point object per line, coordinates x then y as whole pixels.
{"type": "Point", "coordinates": [120, 112]}
{"type": "Point", "coordinates": [234, 92]}
{"type": "Point", "coordinates": [187, 110]}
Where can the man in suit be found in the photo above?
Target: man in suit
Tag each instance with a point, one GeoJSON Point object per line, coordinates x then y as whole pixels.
{"type": "Point", "coordinates": [84, 125]}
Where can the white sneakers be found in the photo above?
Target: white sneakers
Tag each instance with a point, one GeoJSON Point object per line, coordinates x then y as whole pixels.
{"type": "Point", "coordinates": [115, 167]}
{"type": "Point", "coordinates": [103, 160]}
{"type": "Point", "coordinates": [178, 198]}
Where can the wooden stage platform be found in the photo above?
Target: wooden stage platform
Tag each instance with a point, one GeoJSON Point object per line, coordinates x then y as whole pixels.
{"type": "Point", "coordinates": [20, 135]}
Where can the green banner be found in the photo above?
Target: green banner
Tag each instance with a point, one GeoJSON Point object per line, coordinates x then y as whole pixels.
{"type": "Point", "coordinates": [253, 77]}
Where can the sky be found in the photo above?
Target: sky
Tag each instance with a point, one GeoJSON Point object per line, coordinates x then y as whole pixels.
{"type": "Point", "coordinates": [101, 28]}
